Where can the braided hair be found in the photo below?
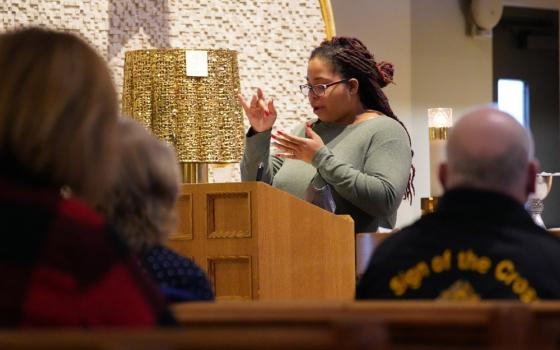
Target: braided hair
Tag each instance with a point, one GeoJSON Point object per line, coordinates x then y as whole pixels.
{"type": "Point", "coordinates": [350, 58]}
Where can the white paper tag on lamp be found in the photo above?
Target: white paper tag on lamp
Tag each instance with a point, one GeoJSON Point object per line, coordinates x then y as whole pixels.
{"type": "Point", "coordinates": [196, 63]}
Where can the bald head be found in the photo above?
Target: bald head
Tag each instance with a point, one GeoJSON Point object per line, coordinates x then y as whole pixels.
{"type": "Point", "coordinates": [487, 149]}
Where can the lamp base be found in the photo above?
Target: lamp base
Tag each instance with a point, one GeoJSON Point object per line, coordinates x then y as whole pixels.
{"type": "Point", "coordinates": [194, 173]}
{"type": "Point", "coordinates": [428, 204]}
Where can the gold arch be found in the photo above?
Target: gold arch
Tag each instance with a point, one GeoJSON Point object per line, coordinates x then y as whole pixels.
{"type": "Point", "coordinates": [328, 18]}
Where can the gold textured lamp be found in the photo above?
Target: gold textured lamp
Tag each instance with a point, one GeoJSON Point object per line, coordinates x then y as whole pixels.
{"type": "Point", "coordinates": [187, 98]}
{"type": "Point", "coordinates": [440, 121]}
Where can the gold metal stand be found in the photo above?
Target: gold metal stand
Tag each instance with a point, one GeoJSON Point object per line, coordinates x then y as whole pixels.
{"type": "Point", "coordinates": [428, 205]}
{"type": "Point", "coordinates": [194, 173]}
{"type": "Point", "coordinates": [438, 133]}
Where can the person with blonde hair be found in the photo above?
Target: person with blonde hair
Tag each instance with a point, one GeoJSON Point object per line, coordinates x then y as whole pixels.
{"type": "Point", "coordinates": [141, 206]}
{"type": "Point", "coordinates": [61, 263]}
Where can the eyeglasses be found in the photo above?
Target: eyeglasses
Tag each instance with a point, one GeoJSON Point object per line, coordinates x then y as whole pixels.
{"type": "Point", "coordinates": [318, 89]}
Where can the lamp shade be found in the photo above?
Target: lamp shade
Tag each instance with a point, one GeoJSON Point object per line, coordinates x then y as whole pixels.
{"type": "Point", "coordinates": [188, 100]}
{"type": "Point", "coordinates": [440, 117]}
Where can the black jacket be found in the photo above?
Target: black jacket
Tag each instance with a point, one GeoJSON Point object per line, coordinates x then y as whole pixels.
{"type": "Point", "coordinates": [478, 245]}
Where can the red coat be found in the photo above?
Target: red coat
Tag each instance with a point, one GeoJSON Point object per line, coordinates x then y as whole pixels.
{"type": "Point", "coordinates": [61, 265]}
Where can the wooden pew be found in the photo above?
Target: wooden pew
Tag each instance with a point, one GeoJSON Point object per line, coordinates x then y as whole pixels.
{"type": "Point", "coordinates": [323, 325]}
{"type": "Point", "coordinates": [343, 331]}
{"type": "Point", "coordinates": [408, 325]}
{"type": "Point", "coordinates": [448, 325]}
{"type": "Point", "coordinates": [545, 327]}
{"type": "Point", "coordinates": [362, 334]}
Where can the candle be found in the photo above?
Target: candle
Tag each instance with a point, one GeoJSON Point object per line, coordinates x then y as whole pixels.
{"type": "Point", "coordinates": [439, 122]}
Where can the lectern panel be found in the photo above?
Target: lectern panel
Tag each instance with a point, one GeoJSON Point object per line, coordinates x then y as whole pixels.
{"type": "Point", "coordinates": [184, 210]}
{"type": "Point", "coordinates": [221, 222]}
{"type": "Point", "coordinates": [231, 277]}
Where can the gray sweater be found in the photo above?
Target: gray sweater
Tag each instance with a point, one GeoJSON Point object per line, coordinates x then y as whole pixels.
{"type": "Point", "coordinates": [367, 165]}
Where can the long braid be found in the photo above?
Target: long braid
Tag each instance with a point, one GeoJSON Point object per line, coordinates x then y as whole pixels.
{"type": "Point", "coordinates": [351, 58]}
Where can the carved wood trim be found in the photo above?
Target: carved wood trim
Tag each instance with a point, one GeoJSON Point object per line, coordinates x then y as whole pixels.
{"type": "Point", "coordinates": [217, 230]}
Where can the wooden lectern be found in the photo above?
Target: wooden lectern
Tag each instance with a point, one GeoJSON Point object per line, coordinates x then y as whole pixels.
{"type": "Point", "coordinates": [258, 242]}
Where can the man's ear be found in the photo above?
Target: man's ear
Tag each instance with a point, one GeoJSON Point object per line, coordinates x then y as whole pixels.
{"type": "Point", "coordinates": [531, 176]}
{"type": "Point", "coordinates": [353, 86]}
{"type": "Point", "coordinates": [442, 174]}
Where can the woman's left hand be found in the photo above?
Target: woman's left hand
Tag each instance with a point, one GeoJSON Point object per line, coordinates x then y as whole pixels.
{"type": "Point", "coordinates": [299, 148]}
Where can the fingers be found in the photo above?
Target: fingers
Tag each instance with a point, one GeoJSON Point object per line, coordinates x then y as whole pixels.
{"type": "Point", "coordinates": [288, 150]}
{"type": "Point", "coordinates": [298, 148]}
{"type": "Point", "coordinates": [243, 103]}
{"type": "Point", "coordinates": [310, 133]}
{"type": "Point", "coordinates": [263, 106]}
{"type": "Point", "coordinates": [254, 101]}
{"type": "Point", "coordinates": [258, 102]}
{"type": "Point", "coordinates": [271, 107]}
{"type": "Point", "coordinates": [284, 144]}
{"type": "Point", "coordinates": [290, 138]}
{"type": "Point", "coordinates": [286, 155]}
{"type": "Point", "coordinates": [283, 148]}
{"type": "Point", "coordinates": [260, 94]}
{"type": "Point", "coordinates": [261, 101]}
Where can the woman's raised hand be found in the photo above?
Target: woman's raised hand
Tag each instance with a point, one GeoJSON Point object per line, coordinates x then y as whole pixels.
{"type": "Point", "coordinates": [261, 113]}
{"type": "Point", "coordinates": [300, 148]}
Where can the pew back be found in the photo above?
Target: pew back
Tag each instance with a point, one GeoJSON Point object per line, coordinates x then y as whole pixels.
{"type": "Point", "coordinates": [407, 325]}
{"type": "Point", "coordinates": [271, 337]}
{"type": "Point", "coordinates": [322, 325]}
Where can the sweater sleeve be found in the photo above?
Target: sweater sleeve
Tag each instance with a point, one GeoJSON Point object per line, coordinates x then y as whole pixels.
{"type": "Point", "coordinates": [379, 188]}
{"type": "Point", "coordinates": [257, 150]}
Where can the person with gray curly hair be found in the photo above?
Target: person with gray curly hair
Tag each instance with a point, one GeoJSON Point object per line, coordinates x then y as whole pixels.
{"type": "Point", "coordinates": [141, 207]}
